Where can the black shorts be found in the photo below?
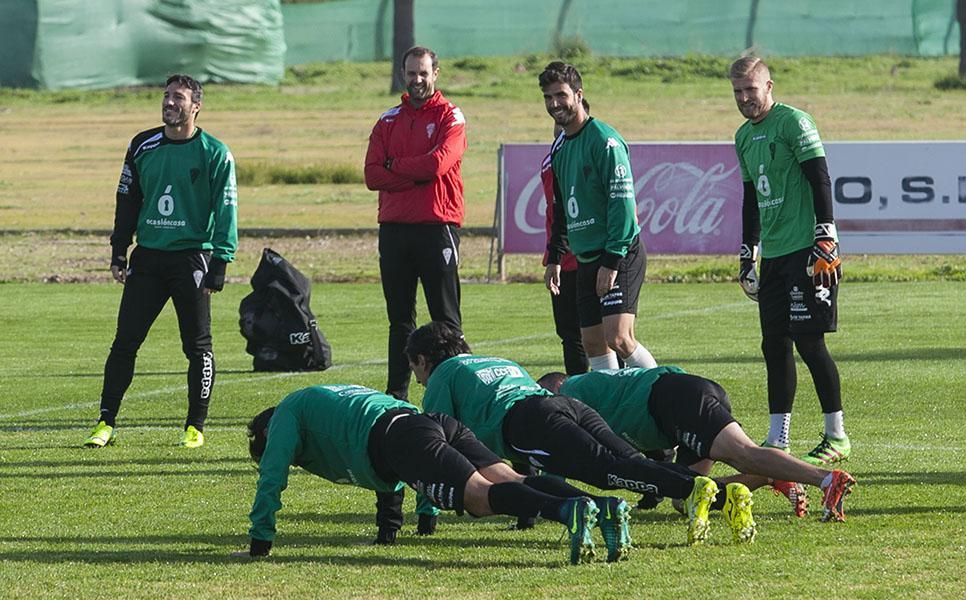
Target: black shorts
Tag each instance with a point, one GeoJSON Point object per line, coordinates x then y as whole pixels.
{"type": "Point", "coordinates": [692, 410]}
{"type": "Point", "coordinates": [622, 298]}
{"type": "Point", "coordinates": [433, 453]}
{"type": "Point", "coordinates": [788, 301]}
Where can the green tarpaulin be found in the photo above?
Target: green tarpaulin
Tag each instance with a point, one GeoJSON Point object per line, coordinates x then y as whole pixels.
{"type": "Point", "coordinates": [57, 44]}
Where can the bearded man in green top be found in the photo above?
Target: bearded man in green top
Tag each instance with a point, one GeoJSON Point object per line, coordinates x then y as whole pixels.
{"type": "Point", "coordinates": [787, 206]}
{"type": "Point", "coordinates": [177, 192]}
{"type": "Point", "coordinates": [594, 216]}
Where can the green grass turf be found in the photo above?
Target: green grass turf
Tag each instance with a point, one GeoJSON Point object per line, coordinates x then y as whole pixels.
{"type": "Point", "coordinates": [146, 519]}
{"type": "Point", "coordinates": [63, 150]}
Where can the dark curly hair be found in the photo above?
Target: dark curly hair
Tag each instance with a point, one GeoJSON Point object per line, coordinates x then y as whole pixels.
{"type": "Point", "coordinates": [552, 381]}
{"type": "Point", "coordinates": [258, 434]}
{"type": "Point", "coordinates": [561, 72]}
{"type": "Point", "coordinates": [436, 341]}
{"type": "Point", "coordinates": [189, 82]}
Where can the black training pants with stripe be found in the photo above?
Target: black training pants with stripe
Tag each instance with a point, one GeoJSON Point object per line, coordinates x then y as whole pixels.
{"type": "Point", "coordinates": [154, 277]}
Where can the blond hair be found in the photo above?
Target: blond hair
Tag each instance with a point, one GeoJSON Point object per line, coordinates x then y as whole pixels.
{"type": "Point", "coordinates": [748, 66]}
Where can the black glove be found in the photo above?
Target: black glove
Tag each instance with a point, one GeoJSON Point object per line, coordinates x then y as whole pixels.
{"type": "Point", "coordinates": [426, 525]}
{"type": "Point", "coordinates": [385, 537]}
{"type": "Point", "coordinates": [119, 258]}
{"type": "Point", "coordinates": [215, 278]}
{"type": "Point", "coordinates": [260, 548]}
{"type": "Point", "coordinates": [824, 264]}
{"type": "Point", "coordinates": [747, 276]}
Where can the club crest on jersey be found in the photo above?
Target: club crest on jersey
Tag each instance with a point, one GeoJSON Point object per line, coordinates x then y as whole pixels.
{"type": "Point", "coordinates": [430, 129]}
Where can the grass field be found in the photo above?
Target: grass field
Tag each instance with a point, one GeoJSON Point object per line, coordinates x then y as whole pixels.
{"type": "Point", "coordinates": [147, 519]}
{"type": "Point", "coordinates": [63, 150]}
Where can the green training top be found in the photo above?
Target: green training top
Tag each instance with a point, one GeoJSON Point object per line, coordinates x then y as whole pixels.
{"type": "Point", "coordinates": [593, 172]}
{"type": "Point", "coordinates": [325, 430]}
{"type": "Point", "coordinates": [184, 192]}
{"type": "Point", "coordinates": [769, 153]}
{"type": "Point", "coordinates": [621, 397]}
{"type": "Point", "coordinates": [479, 390]}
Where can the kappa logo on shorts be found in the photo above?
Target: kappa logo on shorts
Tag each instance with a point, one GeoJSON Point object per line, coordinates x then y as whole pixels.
{"type": "Point", "coordinates": [823, 294]}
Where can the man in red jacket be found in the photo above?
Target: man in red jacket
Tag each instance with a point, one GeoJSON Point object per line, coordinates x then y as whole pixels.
{"type": "Point", "coordinates": [413, 161]}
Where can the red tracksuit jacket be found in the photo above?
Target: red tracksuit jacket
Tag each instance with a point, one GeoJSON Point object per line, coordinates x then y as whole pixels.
{"type": "Point", "coordinates": [426, 144]}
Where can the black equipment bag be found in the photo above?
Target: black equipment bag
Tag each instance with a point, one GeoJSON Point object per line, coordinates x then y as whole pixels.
{"type": "Point", "coordinates": [277, 320]}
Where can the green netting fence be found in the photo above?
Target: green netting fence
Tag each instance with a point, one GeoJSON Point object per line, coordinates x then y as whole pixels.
{"type": "Point", "coordinates": [358, 30]}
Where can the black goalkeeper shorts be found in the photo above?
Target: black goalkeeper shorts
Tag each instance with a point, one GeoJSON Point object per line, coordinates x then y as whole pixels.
{"type": "Point", "coordinates": [788, 301]}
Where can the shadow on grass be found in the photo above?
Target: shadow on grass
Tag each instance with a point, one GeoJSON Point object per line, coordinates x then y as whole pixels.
{"type": "Point", "coordinates": [44, 423]}
{"type": "Point", "coordinates": [99, 374]}
{"type": "Point", "coordinates": [165, 549]}
{"type": "Point", "coordinates": [101, 473]}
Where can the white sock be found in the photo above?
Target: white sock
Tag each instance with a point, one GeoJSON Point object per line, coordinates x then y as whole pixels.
{"type": "Point", "coordinates": [827, 481]}
{"type": "Point", "coordinates": [778, 425]}
{"type": "Point", "coordinates": [606, 361]}
{"type": "Point", "coordinates": [833, 425]}
{"type": "Point", "coordinates": [640, 357]}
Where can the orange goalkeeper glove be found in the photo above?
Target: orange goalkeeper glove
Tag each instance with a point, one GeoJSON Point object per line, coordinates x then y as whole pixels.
{"type": "Point", "coordinates": [824, 264]}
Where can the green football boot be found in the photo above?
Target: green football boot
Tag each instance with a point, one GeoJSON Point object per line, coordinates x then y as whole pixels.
{"type": "Point", "coordinates": [737, 510]}
{"type": "Point", "coordinates": [580, 516]}
{"type": "Point", "coordinates": [696, 507]}
{"type": "Point", "coordinates": [192, 438]}
{"type": "Point", "coordinates": [613, 521]}
{"type": "Point", "coordinates": [102, 435]}
{"type": "Point", "coordinates": [829, 451]}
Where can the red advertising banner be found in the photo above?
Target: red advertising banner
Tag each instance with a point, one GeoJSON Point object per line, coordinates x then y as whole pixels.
{"type": "Point", "coordinates": [688, 198]}
{"type": "Point", "coordinates": [889, 197]}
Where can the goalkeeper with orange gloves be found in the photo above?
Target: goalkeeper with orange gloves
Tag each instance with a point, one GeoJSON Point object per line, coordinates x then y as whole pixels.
{"type": "Point", "coordinates": [787, 206]}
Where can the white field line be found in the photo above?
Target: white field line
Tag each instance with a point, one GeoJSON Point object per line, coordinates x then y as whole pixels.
{"type": "Point", "coordinates": [372, 361]}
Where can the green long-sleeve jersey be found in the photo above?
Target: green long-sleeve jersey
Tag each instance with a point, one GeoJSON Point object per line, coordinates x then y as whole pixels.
{"type": "Point", "coordinates": [621, 397]}
{"type": "Point", "coordinates": [478, 391]}
{"type": "Point", "coordinates": [769, 154]}
{"type": "Point", "coordinates": [325, 430]}
{"type": "Point", "coordinates": [595, 196]}
{"type": "Point", "coordinates": [177, 195]}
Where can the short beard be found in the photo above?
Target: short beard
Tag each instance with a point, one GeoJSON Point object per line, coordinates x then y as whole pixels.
{"type": "Point", "coordinates": [565, 119]}
{"type": "Point", "coordinates": [179, 119]}
{"type": "Point", "coordinates": [418, 92]}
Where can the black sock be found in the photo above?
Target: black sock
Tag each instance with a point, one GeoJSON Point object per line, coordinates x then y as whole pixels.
{"type": "Point", "coordinates": [719, 500]}
{"type": "Point", "coordinates": [555, 486]}
{"type": "Point", "coordinates": [524, 501]}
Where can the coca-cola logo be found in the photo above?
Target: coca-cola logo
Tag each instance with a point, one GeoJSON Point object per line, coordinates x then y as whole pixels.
{"type": "Point", "coordinates": [688, 197]}
{"type": "Point", "coordinates": [679, 195]}
{"type": "Point", "coordinates": [683, 197]}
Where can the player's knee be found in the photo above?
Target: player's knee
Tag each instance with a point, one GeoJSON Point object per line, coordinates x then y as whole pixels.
{"type": "Point", "coordinates": [622, 343]}
{"type": "Point", "coordinates": [774, 346]}
{"type": "Point", "coordinates": [811, 346]}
